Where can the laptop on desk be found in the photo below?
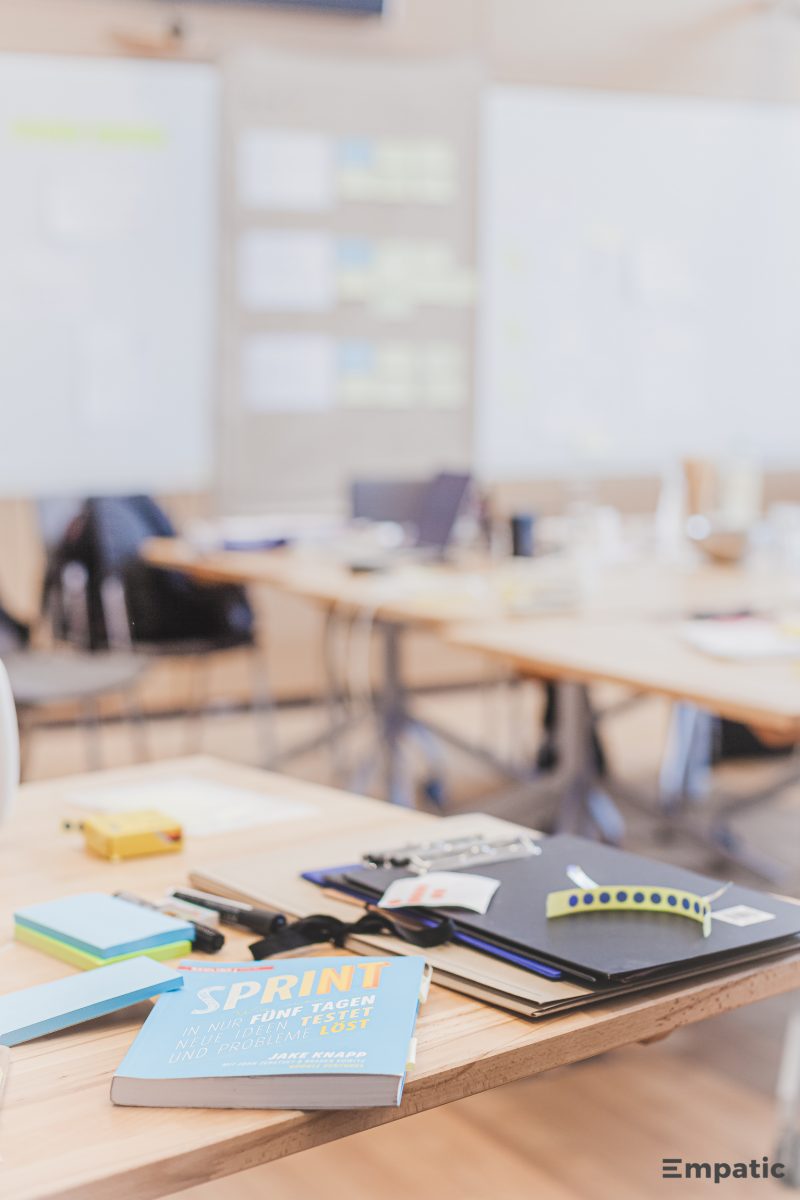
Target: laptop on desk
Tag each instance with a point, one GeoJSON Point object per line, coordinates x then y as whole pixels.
{"type": "Point", "coordinates": [433, 520]}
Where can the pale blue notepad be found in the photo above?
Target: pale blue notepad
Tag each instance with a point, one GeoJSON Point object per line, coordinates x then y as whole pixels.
{"type": "Point", "coordinates": [104, 925]}
{"type": "Point", "coordinates": [51, 1006]}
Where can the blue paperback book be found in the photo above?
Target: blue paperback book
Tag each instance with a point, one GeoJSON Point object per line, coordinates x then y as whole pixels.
{"type": "Point", "coordinates": [296, 1033]}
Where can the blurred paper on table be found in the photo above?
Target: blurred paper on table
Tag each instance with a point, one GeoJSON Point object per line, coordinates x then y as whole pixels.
{"type": "Point", "coordinates": [204, 808]}
{"type": "Point", "coordinates": [743, 639]}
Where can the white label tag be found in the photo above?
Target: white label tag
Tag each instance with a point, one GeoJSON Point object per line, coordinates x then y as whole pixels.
{"type": "Point", "coordinates": [441, 889]}
{"type": "Point", "coordinates": [741, 915]}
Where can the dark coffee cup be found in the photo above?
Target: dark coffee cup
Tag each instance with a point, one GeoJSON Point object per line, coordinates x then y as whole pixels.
{"type": "Point", "coordinates": [522, 534]}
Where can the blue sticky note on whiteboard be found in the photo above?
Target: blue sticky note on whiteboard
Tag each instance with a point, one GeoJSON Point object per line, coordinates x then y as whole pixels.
{"type": "Point", "coordinates": [35, 1011]}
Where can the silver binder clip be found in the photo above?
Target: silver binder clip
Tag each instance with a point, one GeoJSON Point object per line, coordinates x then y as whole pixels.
{"type": "Point", "coordinates": [448, 854]}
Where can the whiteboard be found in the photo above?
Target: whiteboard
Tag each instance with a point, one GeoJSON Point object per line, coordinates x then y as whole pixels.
{"type": "Point", "coordinates": [640, 282]}
{"type": "Point", "coordinates": [107, 243]}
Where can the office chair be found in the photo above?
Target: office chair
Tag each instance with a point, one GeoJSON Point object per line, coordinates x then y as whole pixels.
{"type": "Point", "coordinates": [9, 746]}
{"type": "Point", "coordinates": [41, 678]}
{"type": "Point", "coordinates": [148, 610]}
{"type": "Point", "coordinates": [696, 742]}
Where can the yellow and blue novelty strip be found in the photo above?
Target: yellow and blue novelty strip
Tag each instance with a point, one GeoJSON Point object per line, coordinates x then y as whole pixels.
{"type": "Point", "coordinates": [631, 898]}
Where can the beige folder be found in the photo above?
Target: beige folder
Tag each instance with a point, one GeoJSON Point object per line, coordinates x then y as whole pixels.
{"type": "Point", "coordinates": [274, 881]}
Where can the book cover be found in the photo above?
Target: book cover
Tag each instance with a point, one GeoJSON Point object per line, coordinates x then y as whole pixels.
{"type": "Point", "coordinates": [102, 925]}
{"type": "Point", "coordinates": [295, 1033]}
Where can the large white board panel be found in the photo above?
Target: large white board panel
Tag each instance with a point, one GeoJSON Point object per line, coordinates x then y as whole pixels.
{"type": "Point", "coordinates": [641, 282]}
{"type": "Point", "coordinates": [108, 181]}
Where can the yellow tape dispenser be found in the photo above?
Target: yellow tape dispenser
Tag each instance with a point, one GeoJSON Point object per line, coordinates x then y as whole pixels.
{"type": "Point", "coordinates": [130, 834]}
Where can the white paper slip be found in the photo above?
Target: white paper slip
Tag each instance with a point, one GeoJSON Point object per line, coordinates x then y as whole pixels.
{"type": "Point", "coordinates": [441, 889]}
{"type": "Point", "coordinates": [743, 640]}
{"type": "Point", "coordinates": [201, 806]}
{"type": "Point", "coordinates": [742, 915]}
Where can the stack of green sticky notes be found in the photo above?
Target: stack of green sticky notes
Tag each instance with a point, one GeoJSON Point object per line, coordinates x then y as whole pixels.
{"type": "Point", "coordinates": [93, 930]}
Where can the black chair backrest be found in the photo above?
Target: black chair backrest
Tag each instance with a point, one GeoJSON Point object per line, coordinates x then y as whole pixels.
{"type": "Point", "coordinates": [105, 541]}
{"type": "Point", "coordinates": [14, 635]}
{"type": "Point", "coordinates": [121, 525]}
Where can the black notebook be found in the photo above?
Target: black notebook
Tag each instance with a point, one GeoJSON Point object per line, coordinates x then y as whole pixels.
{"type": "Point", "coordinates": [610, 947]}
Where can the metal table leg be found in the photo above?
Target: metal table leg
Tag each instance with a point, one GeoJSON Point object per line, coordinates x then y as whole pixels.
{"type": "Point", "coordinates": [686, 784]}
{"type": "Point", "coordinates": [788, 1093]}
{"type": "Point", "coordinates": [339, 721]}
{"type": "Point", "coordinates": [585, 804]}
{"type": "Point", "coordinates": [394, 718]}
{"type": "Point", "coordinates": [575, 796]}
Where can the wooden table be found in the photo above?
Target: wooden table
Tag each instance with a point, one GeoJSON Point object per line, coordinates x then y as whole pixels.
{"type": "Point", "coordinates": [62, 1139]}
{"type": "Point", "coordinates": [623, 630]}
{"type": "Point", "coordinates": [647, 655]}
{"type": "Point", "coordinates": [410, 596]}
{"type": "Point", "coordinates": [436, 595]}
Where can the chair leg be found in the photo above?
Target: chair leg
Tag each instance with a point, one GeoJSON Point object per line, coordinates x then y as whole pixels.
{"type": "Point", "coordinates": [25, 726]}
{"type": "Point", "coordinates": [91, 724]}
{"type": "Point", "coordinates": [788, 1095]}
{"type": "Point", "coordinates": [137, 725]}
{"type": "Point", "coordinates": [194, 711]}
{"type": "Point", "coordinates": [263, 706]}
{"type": "Point", "coordinates": [335, 703]}
{"type": "Point", "coordinates": [687, 759]}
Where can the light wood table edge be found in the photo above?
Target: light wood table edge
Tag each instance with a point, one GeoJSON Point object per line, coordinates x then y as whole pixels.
{"type": "Point", "coordinates": [654, 1014]}
{"type": "Point", "coordinates": [530, 667]}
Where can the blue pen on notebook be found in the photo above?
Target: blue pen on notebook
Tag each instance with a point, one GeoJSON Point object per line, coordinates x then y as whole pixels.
{"type": "Point", "coordinates": [517, 959]}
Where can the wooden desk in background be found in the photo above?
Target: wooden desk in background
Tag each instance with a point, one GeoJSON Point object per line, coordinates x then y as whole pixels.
{"type": "Point", "coordinates": [390, 605]}
{"type": "Point", "coordinates": [62, 1139]}
{"type": "Point", "coordinates": [646, 655]}
{"type": "Point", "coordinates": [435, 595]}
{"type": "Point", "coordinates": [623, 631]}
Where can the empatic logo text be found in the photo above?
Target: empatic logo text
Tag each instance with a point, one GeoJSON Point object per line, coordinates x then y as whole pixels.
{"type": "Point", "coordinates": [755, 1168]}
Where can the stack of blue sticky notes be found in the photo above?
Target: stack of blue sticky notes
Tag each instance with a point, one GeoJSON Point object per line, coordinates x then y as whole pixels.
{"type": "Point", "coordinates": [93, 930]}
{"type": "Point", "coordinates": [52, 1006]}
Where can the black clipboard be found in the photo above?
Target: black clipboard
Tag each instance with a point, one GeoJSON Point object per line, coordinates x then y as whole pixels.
{"type": "Point", "coordinates": [607, 947]}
